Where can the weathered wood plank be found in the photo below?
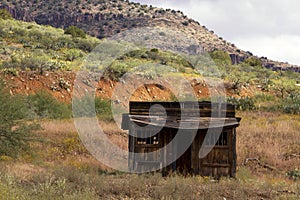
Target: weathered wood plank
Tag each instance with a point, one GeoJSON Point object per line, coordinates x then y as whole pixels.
{"type": "Point", "coordinates": [183, 108]}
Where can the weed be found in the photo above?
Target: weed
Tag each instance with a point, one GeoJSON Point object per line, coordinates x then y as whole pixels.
{"type": "Point", "coordinates": [293, 174]}
{"type": "Point", "coordinates": [246, 103]}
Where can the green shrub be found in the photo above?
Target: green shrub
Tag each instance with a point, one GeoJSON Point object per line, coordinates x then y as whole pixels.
{"type": "Point", "coordinates": [283, 87]}
{"type": "Point", "coordinates": [4, 14]}
{"type": "Point", "coordinates": [36, 61]}
{"type": "Point", "coordinates": [293, 174]}
{"type": "Point", "coordinates": [44, 105]}
{"type": "Point", "coordinates": [253, 61]}
{"type": "Point", "coordinates": [220, 58]}
{"type": "Point", "coordinates": [75, 32]}
{"type": "Point", "coordinates": [291, 104]}
{"type": "Point", "coordinates": [85, 44]}
{"type": "Point", "coordinates": [15, 132]}
{"type": "Point", "coordinates": [264, 98]}
{"type": "Point", "coordinates": [83, 106]}
{"type": "Point", "coordinates": [246, 103]}
{"type": "Point", "coordinates": [117, 70]}
{"type": "Point", "coordinates": [103, 109]}
{"type": "Point", "coordinates": [72, 54]}
{"type": "Point", "coordinates": [87, 106]}
{"type": "Point", "coordinates": [10, 71]}
{"type": "Point", "coordinates": [63, 42]}
{"type": "Point", "coordinates": [73, 145]}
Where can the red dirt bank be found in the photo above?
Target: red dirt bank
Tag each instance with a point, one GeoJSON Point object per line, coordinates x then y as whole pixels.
{"type": "Point", "coordinates": [60, 85]}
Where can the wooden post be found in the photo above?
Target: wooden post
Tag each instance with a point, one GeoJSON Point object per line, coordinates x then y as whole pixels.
{"type": "Point", "coordinates": [234, 155]}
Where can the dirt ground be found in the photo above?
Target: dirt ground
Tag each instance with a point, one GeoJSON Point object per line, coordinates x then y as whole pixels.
{"type": "Point", "coordinates": [60, 85]}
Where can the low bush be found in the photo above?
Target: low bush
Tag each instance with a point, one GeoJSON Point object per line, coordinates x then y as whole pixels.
{"type": "Point", "coordinates": [73, 145]}
{"type": "Point", "coordinates": [10, 71]}
{"type": "Point", "coordinates": [15, 132]}
{"type": "Point", "coordinates": [220, 58]}
{"type": "Point", "coordinates": [293, 174]}
{"type": "Point", "coordinates": [103, 109]}
{"type": "Point", "coordinates": [87, 106]}
{"type": "Point", "coordinates": [4, 14]}
{"type": "Point", "coordinates": [85, 44]}
{"type": "Point", "coordinates": [72, 54]}
{"type": "Point", "coordinates": [117, 70]}
{"type": "Point", "coordinates": [44, 105]}
{"type": "Point", "coordinates": [253, 61]}
{"type": "Point", "coordinates": [291, 104]}
{"type": "Point", "coordinates": [75, 32]}
{"type": "Point", "coordinates": [243, 104]}
{"type": "Point", "coordinates": [63, 42]}
{"type": "Point", "coordinates": [264, 98]}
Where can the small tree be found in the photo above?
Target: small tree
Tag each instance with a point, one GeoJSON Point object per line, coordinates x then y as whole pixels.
{"type": "Point", "coordinates": [4, 14]}
{"type": "Point", "coordinates": [284, 87]}
{"type": "Point", "coordinates": [15, 132]}
{"type": "Point", "coordinates": [75, 32]}
{"type": "Point", "coordinates": [72, 54]}
{"type": "Point", "coordinates": [221, 58]}
{"type": "Point", "coordinates": [44, 105]}
{"type": "Point", "coordinates": [253, 61]}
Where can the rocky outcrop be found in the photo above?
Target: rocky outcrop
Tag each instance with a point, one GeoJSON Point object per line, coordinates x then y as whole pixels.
{"type": "Point", "coordinates": [195, 49]}
{"type": "Point", "coordinates": [237, 58]}
{"type": "Point", "coordinates": [275, 67]}
{"type": "Point", "coordinates": [18, 13]}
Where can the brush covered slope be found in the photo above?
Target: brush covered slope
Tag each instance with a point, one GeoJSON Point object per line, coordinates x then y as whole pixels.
{"type": "Point", "coordinates": [103, 18]}
{"type": "Point", "coordinates": [38, 57]}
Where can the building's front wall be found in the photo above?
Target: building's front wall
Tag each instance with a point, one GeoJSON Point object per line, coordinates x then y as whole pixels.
{"type": "Point", "coordinates": [220, 161]}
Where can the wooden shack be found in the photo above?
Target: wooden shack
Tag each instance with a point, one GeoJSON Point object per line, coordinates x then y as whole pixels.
{"type": "Point", "coordinates": [201, 126]}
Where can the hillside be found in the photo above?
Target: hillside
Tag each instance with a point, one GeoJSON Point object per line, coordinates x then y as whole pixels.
{"type": "Point", "coordinates": [37, 57]}
{"type": "Point", "coordinates": [102, 18]}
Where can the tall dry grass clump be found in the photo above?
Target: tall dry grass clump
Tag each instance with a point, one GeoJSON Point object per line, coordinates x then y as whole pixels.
{"type": "Point", "coordinates": [272, 138]}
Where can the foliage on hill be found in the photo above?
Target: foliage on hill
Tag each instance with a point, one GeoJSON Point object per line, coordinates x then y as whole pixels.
{"type": "Point", "coordinates": [75, 32]}
{"type": "Point", "coordinates": [39, 48]}
{"type": "Point", "coordinates": [4, 14]}
{"type": "Point", "coordinates": [103, 18]}
{"type": "Point", "coordinates": [28, 46]}
{"type": "Point", "coordinates": [282, 85]}
{"type": "Point", "coordinates": [148, 63]}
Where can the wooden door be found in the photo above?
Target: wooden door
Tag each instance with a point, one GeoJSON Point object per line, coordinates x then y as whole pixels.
{"type": "Point", "coordinates": [148, 145]}
{"type": "Point", "coordinates": [218, 161]}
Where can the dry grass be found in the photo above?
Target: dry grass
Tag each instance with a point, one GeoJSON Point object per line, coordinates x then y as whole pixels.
{"type": "Point", "coordinates": [270, 137]}
{"type": "Point", "coordinates": [61, 168]}
{"type": "Point", "coordinates": [66, 182]}
{"type": "Point", "coordinates": [62, 145]}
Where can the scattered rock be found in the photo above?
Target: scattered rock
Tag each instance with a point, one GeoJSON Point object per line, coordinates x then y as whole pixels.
{"type": "Point", "coordinates": [64, 84]}
{"type": "Point", "coordinates": [117, 101]}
